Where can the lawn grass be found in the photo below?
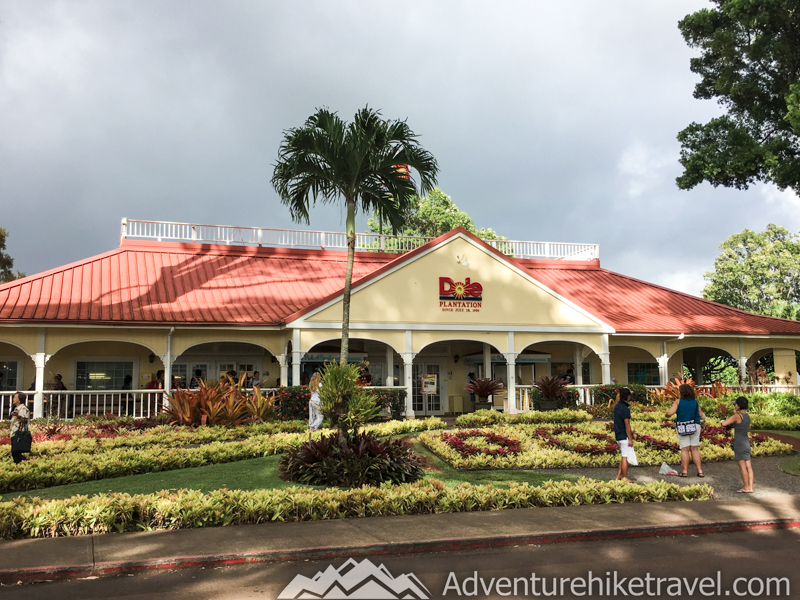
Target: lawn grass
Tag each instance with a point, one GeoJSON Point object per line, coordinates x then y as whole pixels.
{"type": "Point", "coordinates": [792, 465]}
{"type": "Point", "coordinates": [259, 473]}
{"type": "Point", "coordinates": [251, 474]}
{"type": "Point", "coordinates": [439, 469]}
{"type": "Point", "coordinates": [780, 432]}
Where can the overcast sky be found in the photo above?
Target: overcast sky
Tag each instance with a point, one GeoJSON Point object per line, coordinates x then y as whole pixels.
{"type": "Point", "coordinates": [551, 121]}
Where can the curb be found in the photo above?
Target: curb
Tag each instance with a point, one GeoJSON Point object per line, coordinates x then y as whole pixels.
{"type": "Point", "coordinates": [387, 549]}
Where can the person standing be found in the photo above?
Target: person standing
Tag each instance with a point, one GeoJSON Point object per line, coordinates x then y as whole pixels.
{"type": "Point", "coordinates": [470, 379]}
{"type": "Point", "coordinates": [256, 380]}
{"type": "Point", "coordinates": [197, 379]}
{"type": "Point", "coordinates": [740, 422]}
{"type": "Point", "coordinates": [622, 432]}
{"type": "Point", "coordinates": [314, 404]}
{"type": "Point", "coordinates": [687, 425]}
{"type": "Point", "coordinates": [19, 422]}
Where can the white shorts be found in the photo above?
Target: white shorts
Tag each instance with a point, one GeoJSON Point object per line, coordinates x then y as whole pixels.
{"type": "Point", "coordinates": [685, 441]}
{"type": "Point", "coordinates": [625, 448]}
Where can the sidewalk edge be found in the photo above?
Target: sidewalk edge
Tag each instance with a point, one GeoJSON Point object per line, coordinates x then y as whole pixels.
{"type": "Point", "coordinates": [445, 544]}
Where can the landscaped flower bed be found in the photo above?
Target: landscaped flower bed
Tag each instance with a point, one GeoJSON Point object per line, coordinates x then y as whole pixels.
{"type": "Point", "coordinates": [485, 418]}
{"type": "Point", "coordinates": [577, 446]}
{"type": "Point", "coordinates": [469, 442]}
{"type": "Point", "coordinates": [165, 448]}
{"type": "Point", "coordinates": [105, 513]}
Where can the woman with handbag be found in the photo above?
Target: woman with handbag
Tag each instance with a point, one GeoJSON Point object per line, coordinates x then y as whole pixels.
{"type": "Point", "coordinates": [687, 426]}
{"type": "Point", "coordinates": [20, 436]}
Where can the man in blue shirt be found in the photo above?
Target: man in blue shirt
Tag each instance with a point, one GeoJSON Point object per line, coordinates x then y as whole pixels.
{"type": "Point", "coordinates": [622, 431]}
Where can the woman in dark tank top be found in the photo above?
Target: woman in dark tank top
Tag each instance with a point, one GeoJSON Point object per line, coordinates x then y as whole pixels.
{"type": "Point", "coordinates": [740, 423]}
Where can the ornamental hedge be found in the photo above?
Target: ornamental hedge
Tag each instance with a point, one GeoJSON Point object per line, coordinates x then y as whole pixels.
{"type": "Point", "coordinates": [484, 418]}
{"type": "Point", "coordinates": [607, 392]}
{"type": "Point", "coordinates": [186, 509]}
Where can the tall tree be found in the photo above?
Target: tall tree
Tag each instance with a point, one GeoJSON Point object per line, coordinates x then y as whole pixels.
{"type": "Point", "coordinates": [7, 272]}
{"type": "Point", "coordinates": [758, 272]}
{"type": "Point", "coordinates": [433, 215]}
{"type": "Point", "coordinates": [749, 63]}
{"type": "Point", "coordinates": [368, 164]}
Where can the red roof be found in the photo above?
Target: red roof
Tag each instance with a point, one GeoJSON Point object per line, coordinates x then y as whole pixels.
{"type": "Point", "coordinates": [633, 306]}
{"type": "Point", "coordinates": [145, 283]}
{"type": "Point", "coordinates": [169, 283]}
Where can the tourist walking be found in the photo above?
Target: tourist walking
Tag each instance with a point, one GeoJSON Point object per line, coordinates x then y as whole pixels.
{"type": "Point", "coordinates": [19, 425]}
{"type": "Point", "coordinates": [687, 426]}
{"type": "Point", "coordinates": [623, 433]}
{"type": "Point", "coordinates": [740, 423]}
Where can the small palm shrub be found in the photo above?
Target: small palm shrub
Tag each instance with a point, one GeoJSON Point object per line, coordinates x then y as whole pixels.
{"type": "Point", "coordinates": [347, 404]}
{"type": "Point", "coordinates": [549, 387]}
{"type": "Point", "coordinates": [360, 459]}
{"type": "Point", "coordinates": [483, 388]}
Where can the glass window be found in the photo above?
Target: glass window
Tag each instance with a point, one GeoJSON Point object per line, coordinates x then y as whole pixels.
{"type": "Point", "coordinates": [102, 375]}
{"type": "Point", "coordinates": [644, 373]}
{"type": "Point", "coordinates": [9, 372]}
{"type": "Point", "coordinates": [179, 376]}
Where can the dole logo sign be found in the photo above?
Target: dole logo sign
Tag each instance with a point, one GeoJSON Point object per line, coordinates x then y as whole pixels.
{"type": "Point", "coordinates": [460, 296]}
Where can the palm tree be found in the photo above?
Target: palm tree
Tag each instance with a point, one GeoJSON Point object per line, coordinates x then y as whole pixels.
{"type": "Point", "coordinates": [367, 163]}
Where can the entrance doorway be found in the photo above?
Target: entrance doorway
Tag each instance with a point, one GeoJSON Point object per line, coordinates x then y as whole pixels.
{"type": "Point", "coordinates": [427, 404]}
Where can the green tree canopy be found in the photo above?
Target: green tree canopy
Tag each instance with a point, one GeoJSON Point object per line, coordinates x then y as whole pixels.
{"type": "Point", "coordinates": [749, 63]}
{"type": "Point", "coordinates": [368, 164]}
{"type": "Point", "coordinates": [433, 215]}
{"type": "Point", "coordinates": [7, 272]}
{"type": "Point", "coordinates": [758, 272]}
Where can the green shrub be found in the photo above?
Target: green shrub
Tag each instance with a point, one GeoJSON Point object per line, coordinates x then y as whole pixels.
{"type": "Point", "coordinates": [486, 418]}
{"type": "Point", "coordinates": [186, 509]}
{"type": "Point", "coordinates": [393, 400]}
{"type": "Point", "coordinates": [607, 392]}
{"type": "Point", "coordinates": [566, 397]}
{"type": "Point", "coordinates": [778, 423]}
{"type": "Point", "coordinates": [778, 404]}
{"type": "Point", "coordinates": [292, 402]}
{"type": "Point", "coordinates": [363, 459]}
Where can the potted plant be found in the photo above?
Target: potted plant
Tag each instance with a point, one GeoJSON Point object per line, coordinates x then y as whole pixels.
{"type": "Point", "coordinates": [549, 388]}
{"type": "Point", "coordinates": [483, 388]}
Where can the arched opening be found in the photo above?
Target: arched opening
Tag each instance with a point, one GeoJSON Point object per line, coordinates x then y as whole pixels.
{"type": "Point", "coordinates": [383, 365]}
{"type": "Point", "coordinates": [575, 362]}
{"type": "Point", "coordinates": [632, 364]}
{"type": "Point", "coordinates": [705, 365]}
{"type": "Point", "coordinates": [214, 360]}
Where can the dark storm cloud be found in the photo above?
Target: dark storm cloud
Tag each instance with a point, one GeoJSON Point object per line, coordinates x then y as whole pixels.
{"type": "Point", "coordinates": [552, 121]}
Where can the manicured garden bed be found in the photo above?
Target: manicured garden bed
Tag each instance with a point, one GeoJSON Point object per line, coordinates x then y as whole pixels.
{"type": "Point", "coordinates": [580, 445]}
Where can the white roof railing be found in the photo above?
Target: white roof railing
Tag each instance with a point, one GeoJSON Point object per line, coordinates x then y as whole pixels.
{"type": "Point", "coordinates": [165, 231]}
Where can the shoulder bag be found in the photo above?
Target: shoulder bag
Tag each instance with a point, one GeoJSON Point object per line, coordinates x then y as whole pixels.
{"type": "Point", "coordinates": [688, 427]}
{"type": "Point", "coordinates": [21, 441]}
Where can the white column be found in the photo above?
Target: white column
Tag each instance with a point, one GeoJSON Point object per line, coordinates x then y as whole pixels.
{"type": "Point", "coordinates": [408, 361]}
{"type": "Point", "coordinates": [284, 369]}
{"type": "Point", "coordinates": [297, 356]}
{"type": "Point", "coordinates": [167, 360]}
{"type": "Point", "coordinates": [511, 375]}
{"type": "Point", "coordinates": [605, 361]}
{"type": "Point", "coordinates": [389, 382]}
{"type": "Point", "coordinates": [742, 363]}
{"type": "Point", "coordinates": [663, 365]}
{"type": "Point", "coordinates": [698, 365]}
{"type": "Point", "coordinates": [487, 361]}
{"type": "Point", "coordinates": [578, 361]}
{"type": "Point", "coordinates": [39, 360]}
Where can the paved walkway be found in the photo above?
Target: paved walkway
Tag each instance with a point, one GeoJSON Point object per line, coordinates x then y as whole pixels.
{"type": "Point", "coordinates": [26, 560]}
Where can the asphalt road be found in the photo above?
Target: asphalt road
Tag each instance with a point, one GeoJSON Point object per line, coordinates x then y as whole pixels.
{"type": "Point", "coordinates": [744, 554]}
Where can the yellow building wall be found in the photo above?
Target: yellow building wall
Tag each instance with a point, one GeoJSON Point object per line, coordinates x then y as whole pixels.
{"type": "Point", "coordinates": [785, 366]}
{"type": "Point", "coordinates": [675, 365]}
{"type": "Point", "coordinates": [651, 345]}
{"type": "Point", "coordinates": [522, 341]}
{"type": "Point", "coordinates": [311, 337]}
{"type": "Point", "coordinates": [58, 338]}
{"type": "Point", "coordinates": [24, 338]}
{"type": "Point", "coordinates": [411, 295]}
{"type": "Point", "coordinates": [622, 355]}
{"type": "Point", "coordinates": [422, 339]}
{"type": "Point", "coordinates": [183, 339]}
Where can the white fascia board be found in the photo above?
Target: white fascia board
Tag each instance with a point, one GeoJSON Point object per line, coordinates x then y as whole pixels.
{"type": "Point", "coordinates": [448, 327]}
{"type": "Point", "coordinates": [606, 328]}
